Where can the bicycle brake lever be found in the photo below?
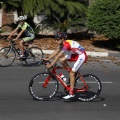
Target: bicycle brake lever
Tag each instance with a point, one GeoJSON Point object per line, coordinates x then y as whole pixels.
{"type": "Point", "coordinates": [47, 69]}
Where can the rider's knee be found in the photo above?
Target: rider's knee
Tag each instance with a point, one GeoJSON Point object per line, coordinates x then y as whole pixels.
{"type": "Point", "coordinates": [62, 59]}
{"type": "Point", "coordinates": [21, 42]}
{"type": "Point", "coordinates": [72, 73]}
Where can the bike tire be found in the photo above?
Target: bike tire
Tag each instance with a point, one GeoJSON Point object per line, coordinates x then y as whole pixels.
{"type": "Point", "coordinates": [7, 56]}
{"type": "Point", "coordinates": [94, 87]}
{"type": "Point", "coordinates": [35, 56]}
{"type": "Point", "coordinates": [39, 92]}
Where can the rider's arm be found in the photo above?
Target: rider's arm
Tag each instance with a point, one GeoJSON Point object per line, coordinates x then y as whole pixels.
{"type": "Point", "coordinates": [13, 33]}
{"type": "Point", "coordinates": [54, 54]}
{"type": "Point", "coordinates": [23, 28]}
{"type": "Point", "coordinates": [57, 58]}
{"type": "Point", "coordinates": [21, 32]}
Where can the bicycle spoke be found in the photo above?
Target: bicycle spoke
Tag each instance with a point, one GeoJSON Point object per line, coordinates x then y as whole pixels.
{"type": "Point", "coordinates": [43, 86]}
{"type": "Point", "coordinates": [93, 90]}
{"type": "Point", "coordinates": [35, 56]}
{"type": "Point", "coordinates": [7, 56]}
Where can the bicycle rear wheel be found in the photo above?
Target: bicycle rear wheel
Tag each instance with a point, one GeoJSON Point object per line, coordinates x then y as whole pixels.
{"type": "Point", "coordinates": [94, 87]}
{"type": "Point", "coordinates": [43, 86]}
{"type": "Point", "coordinates": [35, 56]}
{"type": "Point", "coordinates": [7, 56]}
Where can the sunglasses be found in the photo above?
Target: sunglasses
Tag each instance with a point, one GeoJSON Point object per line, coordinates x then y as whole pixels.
{"type": "Point", "coordinates": [58, 39]}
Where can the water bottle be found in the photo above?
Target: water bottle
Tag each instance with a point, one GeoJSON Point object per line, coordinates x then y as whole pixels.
{"type": "Point", "coordinates": [62, 77]}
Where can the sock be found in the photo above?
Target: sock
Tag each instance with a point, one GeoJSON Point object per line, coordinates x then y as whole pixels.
{"type": "Point", "coordinates": [71, 91]}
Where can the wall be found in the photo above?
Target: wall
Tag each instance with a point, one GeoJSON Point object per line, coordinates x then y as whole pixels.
{"type": "Point", "coordinates": [0, 17]}
{"type": "Point", "coordinates": [7, 18]}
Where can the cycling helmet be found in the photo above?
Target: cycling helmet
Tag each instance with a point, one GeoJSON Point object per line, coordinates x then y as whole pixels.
{"type": "Point", "coordinates": [61, 35]}
{"type": "Point", "coordinates": [20, 18]}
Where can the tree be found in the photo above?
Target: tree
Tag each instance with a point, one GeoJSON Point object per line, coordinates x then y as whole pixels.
{"type": "Point", "coordinates": [34, 7]}
{"type": "Point", "coordinates": [68, 14]}
{"type": "Point", "coordinates": [61, 14]}
{"type": "Point", "coordinates": [29, 7]}
{"type": "Point", "coordinates": [9, 5]}
{"type": "Point", "coordinates": [104, 18]}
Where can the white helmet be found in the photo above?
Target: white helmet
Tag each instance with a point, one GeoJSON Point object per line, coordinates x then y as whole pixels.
{"type": "Point", "coordinates": [20, 18]}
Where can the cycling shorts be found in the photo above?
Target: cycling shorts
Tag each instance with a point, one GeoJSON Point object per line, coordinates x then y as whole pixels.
{"type": "Point", "coordinates": [27, 39]}
{"type": "Point", "coordinates": [79, 60]}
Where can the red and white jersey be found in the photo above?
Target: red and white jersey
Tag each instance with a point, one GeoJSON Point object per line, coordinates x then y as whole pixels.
{"type": "Point", "coordinates": [73, 46]}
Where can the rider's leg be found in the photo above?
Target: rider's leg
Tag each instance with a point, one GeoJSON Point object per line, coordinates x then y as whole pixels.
{"type": "Point", "coordinates": [75, 68]}
{"type": "Point", "coordinates": [63, 62]}
{"type": "Point", "coordinates": [72, 82]}
{"type": "Point", "coordinates": [25, 40]}
{"type": "Point", "coordinates": [21, 47]}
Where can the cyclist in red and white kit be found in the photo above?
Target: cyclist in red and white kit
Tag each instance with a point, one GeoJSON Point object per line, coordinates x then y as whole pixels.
{"type": "Point", "coordinates": [78, 55]}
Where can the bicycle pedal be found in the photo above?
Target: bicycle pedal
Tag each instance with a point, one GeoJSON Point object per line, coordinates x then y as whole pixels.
{"type": "Point", "coordinates": [22, 59]}
{"type": "Point", "coordinates": [27, 57]}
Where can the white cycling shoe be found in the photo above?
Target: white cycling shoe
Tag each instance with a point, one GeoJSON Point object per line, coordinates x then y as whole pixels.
{"type": "Point", "coordinates": [69, 97]}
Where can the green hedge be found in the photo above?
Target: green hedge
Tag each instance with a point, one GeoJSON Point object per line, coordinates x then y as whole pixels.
{"type": "Point", "coordinates": [104, 18]}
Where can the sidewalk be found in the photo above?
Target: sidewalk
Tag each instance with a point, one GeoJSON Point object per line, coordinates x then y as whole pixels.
{"type": "Point", "coordinates": [93, 54]}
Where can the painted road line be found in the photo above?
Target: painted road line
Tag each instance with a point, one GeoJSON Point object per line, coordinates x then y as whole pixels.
{"type": "Point", "coordinates": [107, 82]}
{"type": "Point", "coordinates": [86, 82]}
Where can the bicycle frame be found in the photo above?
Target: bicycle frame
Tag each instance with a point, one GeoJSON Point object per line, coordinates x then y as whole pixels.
{"type": "Point", "coordinates": [53, 72]}
{"type": "Point", "coordinates": [12, 46]}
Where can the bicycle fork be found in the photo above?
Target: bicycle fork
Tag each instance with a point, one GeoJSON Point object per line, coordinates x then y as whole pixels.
{"type": "Point", "coordinates": [46, 81]}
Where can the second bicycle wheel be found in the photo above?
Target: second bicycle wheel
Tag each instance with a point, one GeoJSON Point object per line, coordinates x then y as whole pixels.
{"type": "Point", "coordinates": [35, 56]}
{"type": "Point", "coordinates": [43, 86]}
{"type": "Point", "coordinates": [7, 56]}
{"type": "Point", "coordinates": [94, 87]}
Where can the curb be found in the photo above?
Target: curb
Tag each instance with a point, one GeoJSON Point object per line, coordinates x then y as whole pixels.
{"type": "Point", "coordinates": [89, 53]}
{"type": "Point", "coordinates": [93, 54]}
{"type": "Point", "coordinates": [114, 54]}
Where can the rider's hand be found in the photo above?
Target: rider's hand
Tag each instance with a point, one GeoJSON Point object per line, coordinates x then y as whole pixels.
{"type": "Point", "coordinates": [49, 66]}
{"type": "Point", "coordinates": [14, 39]}
{"type": "Point", "coordinates": [8, 38]}
{"type": "Point", "coordinates": [46, 59]}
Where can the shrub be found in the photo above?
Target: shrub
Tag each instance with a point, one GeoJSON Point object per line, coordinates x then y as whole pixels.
{"type": "Point", "coordinates": [104, 18]}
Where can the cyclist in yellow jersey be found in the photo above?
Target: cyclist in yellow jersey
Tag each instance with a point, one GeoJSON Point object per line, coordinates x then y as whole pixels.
{"type": "Point", "coordinates": [78, 55]}
{"type": "Point", "coordinates": [28, 32]}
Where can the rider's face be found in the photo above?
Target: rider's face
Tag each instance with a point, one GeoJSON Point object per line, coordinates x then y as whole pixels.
{"type": "Point", "coordinates": [60, 40]}
{"type": "Point", "coordinates": [21, 22]}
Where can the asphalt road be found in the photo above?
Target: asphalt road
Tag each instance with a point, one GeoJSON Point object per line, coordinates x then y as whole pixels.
{"type": "Point", "coordinates": [17, 104]}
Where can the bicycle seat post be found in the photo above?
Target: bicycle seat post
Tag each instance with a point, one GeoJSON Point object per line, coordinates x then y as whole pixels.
{"type": "Point", "coordinates": [27, 44]}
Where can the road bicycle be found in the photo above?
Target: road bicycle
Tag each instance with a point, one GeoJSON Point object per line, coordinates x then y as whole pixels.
{"type": "Point", "coordinates": [44, 86]}
{"type": "Point", "coordinates": [8, 54]}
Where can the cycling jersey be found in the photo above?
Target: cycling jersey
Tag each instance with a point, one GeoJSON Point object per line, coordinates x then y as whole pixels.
{"type": "Point", "coordinates": [73, 46]}
{"type": "Point", "coordinates": [78, 54]}
{"type": "Point", "coordinates": [28, 29]}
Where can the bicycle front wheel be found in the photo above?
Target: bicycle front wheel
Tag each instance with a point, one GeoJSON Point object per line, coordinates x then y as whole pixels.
{"type": "Point", "coordinates": [93, 84]}
{"type": "Point", "coordinates": [43, 86]}
{"type": "Point", "coordinates": [35, 56]}
{"type": "Point", "coordinates": [7, 56]}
